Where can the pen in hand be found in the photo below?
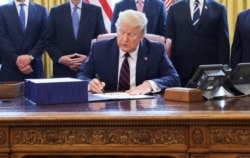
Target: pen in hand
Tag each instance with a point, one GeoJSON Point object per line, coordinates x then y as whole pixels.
{"type": "Point", "coordinates": [98, 78]}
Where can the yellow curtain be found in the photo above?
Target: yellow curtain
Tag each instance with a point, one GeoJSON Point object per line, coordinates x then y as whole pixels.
{"type": "Point", "coordinates": [49, 3]}
{"type": "Point", "coordinates": [233, 8]}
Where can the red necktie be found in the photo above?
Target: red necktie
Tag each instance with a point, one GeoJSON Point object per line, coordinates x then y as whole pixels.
{"type": "Point", "coordinates": [124, 79]}
{"type": "Point", "coordinates": [140, 5]}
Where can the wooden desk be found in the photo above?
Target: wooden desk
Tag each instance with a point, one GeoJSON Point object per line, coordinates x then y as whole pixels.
{"type": "Point", "coordinates": [153, 128]}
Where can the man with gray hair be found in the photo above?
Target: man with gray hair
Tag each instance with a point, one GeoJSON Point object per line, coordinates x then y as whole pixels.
{"type": "Point", "coordinates": [129, 62]}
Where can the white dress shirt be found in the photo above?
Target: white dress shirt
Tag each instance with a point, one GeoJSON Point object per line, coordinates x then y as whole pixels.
{"type": "Point", "coordinates": [192, 5]}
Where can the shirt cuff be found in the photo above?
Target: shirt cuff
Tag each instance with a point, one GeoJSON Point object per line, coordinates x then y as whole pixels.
{"type": "Point", "coordinates": [154, 86]}
{"type": "Point", "coordinates": [59, 60]}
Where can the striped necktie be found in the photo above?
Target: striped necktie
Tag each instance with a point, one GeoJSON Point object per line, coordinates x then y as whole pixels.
{"type": "Point", "coordinates": [196, 15]}
{"type": "Point", "coordinates": [22, 16]}
{"type": "Point", "coordinates": [124, 79]}
{"type": "Point", "coordinates": [75, 21]}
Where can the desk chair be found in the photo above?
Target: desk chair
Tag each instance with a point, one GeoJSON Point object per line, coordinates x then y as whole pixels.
{"type": "Point", "coordinates": [151, 37]}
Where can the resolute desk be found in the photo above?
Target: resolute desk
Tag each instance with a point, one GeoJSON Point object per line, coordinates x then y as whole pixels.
{"type": "Point", "coordinates": [149, 128]}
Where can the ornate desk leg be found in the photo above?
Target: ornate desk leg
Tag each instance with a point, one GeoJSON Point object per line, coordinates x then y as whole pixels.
{"type": "Point", "coordinates": [198, 142]}
{"type": "Point", "coordinates": [4, 142]}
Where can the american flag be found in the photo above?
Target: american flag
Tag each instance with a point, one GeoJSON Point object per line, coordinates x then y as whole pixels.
{"type": "Point", "coordinates": [107, 12]}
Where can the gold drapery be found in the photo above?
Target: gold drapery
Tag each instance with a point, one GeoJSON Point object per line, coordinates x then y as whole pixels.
{"type": "Point", "coordinates": [49, 3]}
{"type": "Point", "coordinates": [233, 8]}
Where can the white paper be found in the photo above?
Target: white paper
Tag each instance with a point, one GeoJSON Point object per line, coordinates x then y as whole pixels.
{"type": "Point", "coordinates": [54, 80]}
{"type": "Point", "coordinates": [115, 96]}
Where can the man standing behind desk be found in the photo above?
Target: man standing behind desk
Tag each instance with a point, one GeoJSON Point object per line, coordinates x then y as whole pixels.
{"type": "Point", "coordinates": [71, 28]}
{"type": "Point", "coordinates": [155, 11]}
{"type": "Point", "coordinates": [241, 42]}
{"type": "Point", "coordinates": [22, 25]}
{"type": "Point", "coordinates": [129, 62]}
{"type": "Point", "coordinates": [199, 33]}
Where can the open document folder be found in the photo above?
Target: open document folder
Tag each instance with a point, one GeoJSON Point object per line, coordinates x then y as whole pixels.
{"type": "Point", "coordinates": [115, 96]}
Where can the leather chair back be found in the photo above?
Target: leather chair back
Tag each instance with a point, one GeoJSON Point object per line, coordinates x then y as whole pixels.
{"type": "Point", "coordinates": [151, 37]}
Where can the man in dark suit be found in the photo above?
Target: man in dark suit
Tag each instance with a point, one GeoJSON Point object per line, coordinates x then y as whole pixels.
{"type": "Point", "coordinates": [241, 45]}
{"type": "Point", "coordinates": [155, 11]}
{"type": "Point", "coordinates": [22, 46]}
{"type": "Point", "coordinates": [194, 44]}
{"type": "Point", "coordinates": [68, 50]}
{"type": "Point", "coordinates": [149, 68]}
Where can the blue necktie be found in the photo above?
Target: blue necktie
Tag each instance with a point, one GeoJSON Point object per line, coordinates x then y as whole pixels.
{"type": "Point", "coordinates": [22, 16]}
{"type": "Point", "coordinates": [75, 21]}
{"type": "Point", "coordinates": [124, 79]}
{"type": "Point", "coordinates": [196, 16]}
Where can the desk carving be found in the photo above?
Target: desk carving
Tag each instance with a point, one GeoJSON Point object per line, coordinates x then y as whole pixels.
{"type": "Point", "coordinates": [3, 137]}
{"type": "Point", "coordinates": [209, 129]}
{"type": "Point", "coordinates": [99, 136]}
{"type": "Point", "coordinates": [232, 135]}
{"type": "Point", "coordinates": [198, 136]}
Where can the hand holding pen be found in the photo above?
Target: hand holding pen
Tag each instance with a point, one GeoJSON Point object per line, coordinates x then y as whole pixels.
{"type": "Point", "coordinates": [102, 83]}
{"type": "Point", "coordinates": [96, 86]}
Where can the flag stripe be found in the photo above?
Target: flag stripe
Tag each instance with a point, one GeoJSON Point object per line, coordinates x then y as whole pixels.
{"type": "Point", "coordinates": [106, 11]}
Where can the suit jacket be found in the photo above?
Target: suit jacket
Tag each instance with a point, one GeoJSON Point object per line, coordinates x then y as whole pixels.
{"type": "Point", "coordinates": [155, 11]}
{"type": "Point", "coordinates": [61, 40]}
{"type": "Point", "coordinates": [15, 42]}
{"type": "Point", "coordinates": [208, 44]}
{"type": "Point", "coordinates": [152, 64]}
{"type": "Point", "coordinates": [241, 44]}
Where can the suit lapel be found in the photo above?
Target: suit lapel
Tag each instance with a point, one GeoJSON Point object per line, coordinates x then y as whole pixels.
{"type": "Point", "coordinates": [67, 18]}
{"type": "Point", "coordinates": [112, 55]}
{"type": "Point", "coordinates": [141, 64]}
{"type": "Point", "coordinates": [84, 19]}
{"type": "Point", "coordinates": [203, 13]}
{"type": "Point", "coordinates": [146, 7]}
{"type": "Point", "coordinates": [131, 4]}
{"type": "Point", "coordinates": [187, 13]}
{"type": "Point", "coordinates": [16, 19]}
{"type": "Point", "coordinates": [31, 17]}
